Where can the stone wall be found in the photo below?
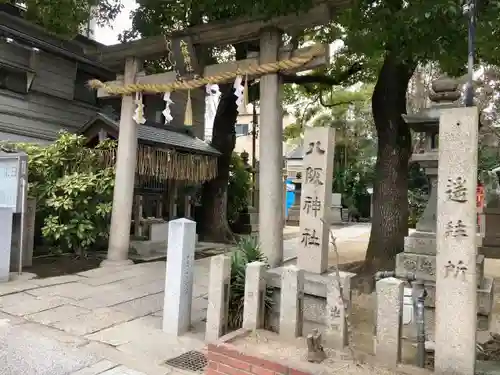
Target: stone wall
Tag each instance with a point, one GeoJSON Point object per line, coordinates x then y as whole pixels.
{"type": "Point", "coordinates": [227, 359]}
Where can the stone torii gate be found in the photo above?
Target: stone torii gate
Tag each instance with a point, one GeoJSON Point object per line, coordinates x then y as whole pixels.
{"type": "Point", "coordinates": [266, 65]}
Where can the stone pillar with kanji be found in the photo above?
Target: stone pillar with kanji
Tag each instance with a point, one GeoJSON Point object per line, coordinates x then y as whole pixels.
{"type": "Point", "coordinates": [319, 144]}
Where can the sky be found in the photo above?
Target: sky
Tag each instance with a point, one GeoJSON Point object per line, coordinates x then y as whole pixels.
{"type": "Point", "coordinates": [109, 35]}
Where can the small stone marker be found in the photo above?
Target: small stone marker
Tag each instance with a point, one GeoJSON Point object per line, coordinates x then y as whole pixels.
{"type": "Point", "coordinates": [336, 333]}
{"type": "Point", "coordinates": [218, 297]}
{"type": "Point", "coordinates": [179, 277]}
{"type": "Point", "coordinates": [255, 291]}
{"type": "Point", "coordinates": [389, 320]}
{"type": "Point", "coordinates": [456, 281]}
{"type": "Point", "coordinates": [292, 301]}
{"type": "Point", "coordinates": [315, 205]}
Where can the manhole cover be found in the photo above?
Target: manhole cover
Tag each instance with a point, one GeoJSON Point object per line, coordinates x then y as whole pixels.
{"type": "Point", "coordinates": [191, 361]}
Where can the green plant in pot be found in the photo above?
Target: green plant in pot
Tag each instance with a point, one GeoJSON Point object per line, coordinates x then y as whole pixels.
{"type": "Point", "coordinates": [247, 251]}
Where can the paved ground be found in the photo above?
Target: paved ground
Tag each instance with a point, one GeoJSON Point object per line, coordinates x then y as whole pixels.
{"type": "Point", "coordinates": [104, 321]}
{"type": "Point", "coordinates": [108, 322]}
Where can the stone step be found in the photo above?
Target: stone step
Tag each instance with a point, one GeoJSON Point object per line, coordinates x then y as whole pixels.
{"type": "Point", "coordinates": [146, 248]}
{"type": "Point", "coordinates": [490, 252]}
{"type": "Point", "coordinates": [410, 331]}
{"type": "Point", "coordinates": [493, 241]}
{"type": "Point", "coordinates": [425, 243]}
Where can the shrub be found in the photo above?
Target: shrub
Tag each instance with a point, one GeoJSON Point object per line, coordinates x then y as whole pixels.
{"type": "Point", "coordinates": [73, 193]}
{"type": "Point", "coordinates": [238, 189]}
{"type": "Point", "coordinates": [247, 251]}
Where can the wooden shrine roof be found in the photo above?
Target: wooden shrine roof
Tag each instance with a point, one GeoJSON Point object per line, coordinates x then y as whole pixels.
{"type": "Point", "coordinates": [151, 133]}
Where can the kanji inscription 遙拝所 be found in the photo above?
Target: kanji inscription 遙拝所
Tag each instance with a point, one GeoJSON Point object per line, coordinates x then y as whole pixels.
{"type": "Point", "coordinates": [313, 176]}
{"type": "Point", "coordinates": [315, 146]}
{"type": "Point", "coordinates": [312, 205]}
{"type": "Point", "coordinates": [457, 229]}
{"type": "Point", "coordinates": [456, 190]}
{"type": "Point", "coordinates": [309, 237]}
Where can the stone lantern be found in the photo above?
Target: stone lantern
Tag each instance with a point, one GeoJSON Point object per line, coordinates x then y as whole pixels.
{"type": "Point", "coordinates": [445, 94]}
{"type": "Point", "coordinates": [419, 255]}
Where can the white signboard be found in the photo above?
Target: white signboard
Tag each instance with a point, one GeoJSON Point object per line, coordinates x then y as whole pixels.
{"type": "Point", "coordinates": [12, 171]}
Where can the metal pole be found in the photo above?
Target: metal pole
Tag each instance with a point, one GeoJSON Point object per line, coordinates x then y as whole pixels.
{"type": "Point", "coordinates": [470, 10]}
{"type": "Point", "coordinates": [418, 295]}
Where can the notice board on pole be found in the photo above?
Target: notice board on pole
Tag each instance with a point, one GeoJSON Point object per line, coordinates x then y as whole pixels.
{"type": "Point", "coordinates": [13, 180]}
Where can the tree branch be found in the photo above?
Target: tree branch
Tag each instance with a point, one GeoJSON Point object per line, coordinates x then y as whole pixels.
{"type": "Point", "coordinates": [323, 79]}
{"type": "Point", "coordinates": [344, 102]}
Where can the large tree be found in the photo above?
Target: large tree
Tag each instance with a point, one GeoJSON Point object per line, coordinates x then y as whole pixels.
{"type": "Point", "coordinates": [67, 18]}
{"type": "Point", "coordinates": [393, 37]}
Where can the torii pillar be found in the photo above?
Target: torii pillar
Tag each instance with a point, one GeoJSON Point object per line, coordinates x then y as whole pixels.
{"type": "Point", "coordinates": [271, 153]}
{"type": "Point", "coordinates": [126, 159]}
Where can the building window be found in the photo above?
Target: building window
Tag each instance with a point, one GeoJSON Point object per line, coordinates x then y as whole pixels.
{"type": "Point", "coordinates": [82, 92]}
{"type": "Point", "coordinates": [241, 129]}
{"type": "Point", "coordinates": [13, 80]}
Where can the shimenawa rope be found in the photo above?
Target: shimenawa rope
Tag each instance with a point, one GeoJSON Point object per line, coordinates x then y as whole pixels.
{"type": "Point", "coordinates": [268, 68]}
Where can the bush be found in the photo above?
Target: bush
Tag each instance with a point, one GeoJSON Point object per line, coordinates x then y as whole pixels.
{"type": "Point", "coordinates": [73, 193]}
{"type": "Point", "coordinates": [247, 251]}
{"type": "Point", "coordinates": [418, 193]}
{"type": "Point", "coordinates": [238, 189]}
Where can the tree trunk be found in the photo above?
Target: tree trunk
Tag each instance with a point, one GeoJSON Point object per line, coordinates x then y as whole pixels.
{"type": "Point", "coordinates": [213, 220]}
{"type": "Point", "coordinates": [390, 193]}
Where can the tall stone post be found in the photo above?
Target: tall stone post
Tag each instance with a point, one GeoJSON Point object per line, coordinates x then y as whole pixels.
{"type": "Point", "coordinates": [389, 319]}
{"type": "Point", "coordinates": [271, 153]}
{"type": "Point", "coordinates": [312, 254]}
{"type": "Point", "coordinates": [420, 250]}
{"type": "Point", "coordinates": [456, 270]}
{"type": "Point", "coordinates": [179, 280]}
{"type": "Point", "coordinates": [121, 216]}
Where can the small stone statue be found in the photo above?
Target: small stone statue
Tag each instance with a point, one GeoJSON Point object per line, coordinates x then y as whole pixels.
{"type": "Point", "coordinates": [315, 351]}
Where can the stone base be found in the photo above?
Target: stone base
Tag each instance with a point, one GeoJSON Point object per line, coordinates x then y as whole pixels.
{"type": "Point", "coordinates": [489, 252]}
{"type": "Point", "coordinates": [293, 217]}
{"type": "Point", "coordinates": [146, 248]}
{"type": "Point", "coordinates": [485, 294]}
{"type": "Point", "coordinates": [410, 330]}
{"type": "Point", "coordinates": [314, 303]}
{"type": "Point", "coordinates": [424, 266]}
{"type": "Point", "coordinates": [425, 243]}
{"type": "Point", "coordinates": [421, 243]}
{"type": "Point", "coordinates": [491, 241]}
{"type": "Point", "coordinates": [335, 215]}
{"type": "Point", "coordinates": [116, 263]}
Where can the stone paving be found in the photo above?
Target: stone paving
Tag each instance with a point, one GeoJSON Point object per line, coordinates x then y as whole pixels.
{"type": "Point", "coordinates": [103, 321]}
